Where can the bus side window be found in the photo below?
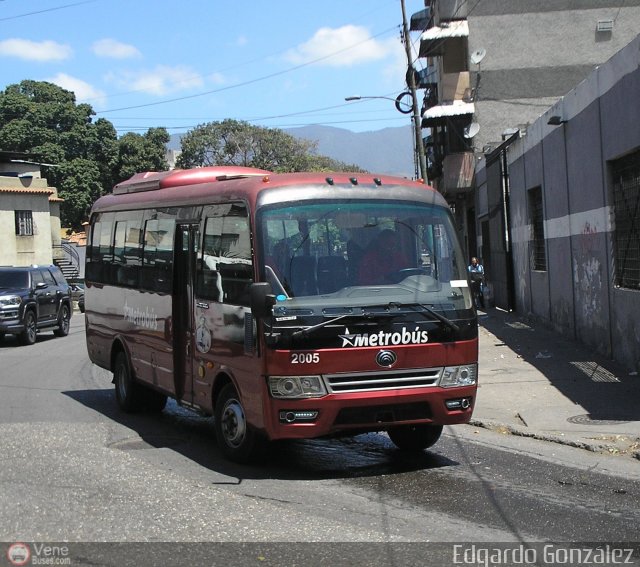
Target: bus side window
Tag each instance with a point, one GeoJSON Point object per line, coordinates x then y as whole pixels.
{"type": "Point", "coordinates": [118, 253]}
{"type": "Point", "coordinates": [208, 284]}
{"type": "Point", "coordinates": [157, 261]}
{"type": "Point", "coordinates": [93, 266]}
{"type": "Point", "coordinates": [225, 270]}
{"type": "Point", "coordinates": [101, 253]}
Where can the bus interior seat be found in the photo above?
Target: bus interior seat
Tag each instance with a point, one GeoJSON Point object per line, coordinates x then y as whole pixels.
{"type": "Point", "coordinates": [332, 273]}
{"type": "Point", "coordinates": [355, 254]}
{"type": "Point", "coordinates": [302, 280]}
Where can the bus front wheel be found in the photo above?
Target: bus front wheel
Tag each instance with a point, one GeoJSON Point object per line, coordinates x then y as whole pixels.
{"type": "Point", "coordinates": [128, 393]}
{"type": "Point", "coordinates": [236, 439]}
{"type": "Point", "coordinates": [415, 437]}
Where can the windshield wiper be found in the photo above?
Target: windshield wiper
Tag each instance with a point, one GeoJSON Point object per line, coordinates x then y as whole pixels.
{"type": "Point", "coordinates": [365, 315]}
{"type": "Point", "coordinates": [448, 322]}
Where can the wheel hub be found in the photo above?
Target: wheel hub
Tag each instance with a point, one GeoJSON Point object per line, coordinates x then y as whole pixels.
{"type": "Point", "coordinates": [233, 423]}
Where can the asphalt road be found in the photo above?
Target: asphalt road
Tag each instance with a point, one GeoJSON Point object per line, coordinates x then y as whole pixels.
{"type": "Point", "coordinates": [76, 469]}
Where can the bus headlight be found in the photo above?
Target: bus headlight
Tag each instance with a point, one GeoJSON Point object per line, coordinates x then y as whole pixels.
{"type": "Point", "coordinates": [296, 386]}
{"type": "Point", "coordinates": [466, 375]}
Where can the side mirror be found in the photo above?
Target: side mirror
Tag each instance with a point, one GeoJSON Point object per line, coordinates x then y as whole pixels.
{"type": "Point", "coordinates": [261, 299]}
{"type": "Point", "coordinates": [41, 285]}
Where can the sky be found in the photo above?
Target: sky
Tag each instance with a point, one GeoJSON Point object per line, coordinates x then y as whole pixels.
{"type": "Point", "coordinates": [281, 64]}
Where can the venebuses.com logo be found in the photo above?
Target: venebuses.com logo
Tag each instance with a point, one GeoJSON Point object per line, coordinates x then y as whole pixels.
{"type": "Point", "coordinates": [19, 553]}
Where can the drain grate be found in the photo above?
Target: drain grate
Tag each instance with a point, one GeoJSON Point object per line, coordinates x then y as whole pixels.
{"type": "Point", "coordinates": [519, 325]}
{"type": "Point", "coordinates": [584, 419]}
{"type": "Point", "coordinates": [594, 371]}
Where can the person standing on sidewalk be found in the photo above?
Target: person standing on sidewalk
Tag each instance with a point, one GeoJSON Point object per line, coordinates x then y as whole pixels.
{"type": "Point", "coordinates": [476, 275]}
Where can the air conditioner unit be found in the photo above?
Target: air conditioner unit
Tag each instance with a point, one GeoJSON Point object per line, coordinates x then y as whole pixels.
{"type": "Point", "coordinates": [604, 26]}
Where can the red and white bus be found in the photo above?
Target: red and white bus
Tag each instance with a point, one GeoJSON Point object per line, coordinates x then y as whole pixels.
{"type": "Point", "coordinates": [287, 306]}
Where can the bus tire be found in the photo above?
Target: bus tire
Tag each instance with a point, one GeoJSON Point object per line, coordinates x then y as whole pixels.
{"type": "Point", "coordinates": [128, 392]}
{"type": "Point", "coordinates": [154, 402]}
{"type": "Point", "coordinates": [415, 437]}
{"type": "Point", "coordinates": [236, 439]}
{"type": "Point", "coordinates": [64, 319]}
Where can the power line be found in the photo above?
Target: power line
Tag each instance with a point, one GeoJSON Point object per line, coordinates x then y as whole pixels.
{"type": "Point", "coordinates": [249, 82]}
{"type": "Point", "coordinates": [47, 10]}
{"type": "Point", "coordinates": [619, 8]}
{"type": "Point", "coordinates": [280, 127]}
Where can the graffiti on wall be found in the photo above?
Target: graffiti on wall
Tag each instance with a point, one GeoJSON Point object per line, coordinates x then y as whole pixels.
{"type": "Point", "coordinates": [587, 273]}
{"type": "Point", "coordinates": [522, 234]}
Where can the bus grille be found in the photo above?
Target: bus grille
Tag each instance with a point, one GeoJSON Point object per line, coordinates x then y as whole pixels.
{"type": "Point", "coordinates": [390, 380]}
{"type": "Point", "coordinates": [383, 414]}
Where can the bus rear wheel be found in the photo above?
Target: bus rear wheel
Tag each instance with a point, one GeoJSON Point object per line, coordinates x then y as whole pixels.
{"type": "Point", "coordinates": [415, 437]}
{"type": "Point", "coordinates": [236, 439]}
{"type": "Point", "coordinates": [128, 393]}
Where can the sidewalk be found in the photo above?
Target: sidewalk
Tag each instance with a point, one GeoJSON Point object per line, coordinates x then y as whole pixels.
{"type": "Point", "coordinates": [536, 383]}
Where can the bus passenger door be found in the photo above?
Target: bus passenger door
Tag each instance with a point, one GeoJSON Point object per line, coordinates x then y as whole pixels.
{"type": "Point", "coordinates": [187, 238]}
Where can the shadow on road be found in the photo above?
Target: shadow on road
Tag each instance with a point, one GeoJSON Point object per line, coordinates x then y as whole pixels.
{"type": "Point", "coordinates": [601, 386]}
{"type": "Point", "coordinates": [193, 436]}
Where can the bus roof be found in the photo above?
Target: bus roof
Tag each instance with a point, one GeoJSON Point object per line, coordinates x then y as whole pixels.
{"type": "Point", "coordinates": [152, 180]}
{"type": "Point", "coordinates": [209, 184]}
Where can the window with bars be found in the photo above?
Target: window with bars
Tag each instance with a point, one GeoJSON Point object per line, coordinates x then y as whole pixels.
{"type": "Point", "coordinates": [24, 223]}
{"type": "Point", "coordinates": [626, 205]}
{"type": "Point", "coordinates": [536, 213]}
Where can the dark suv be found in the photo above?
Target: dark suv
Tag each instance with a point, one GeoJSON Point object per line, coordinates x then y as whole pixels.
{"type": "Point", "coordinates": [32, 299]}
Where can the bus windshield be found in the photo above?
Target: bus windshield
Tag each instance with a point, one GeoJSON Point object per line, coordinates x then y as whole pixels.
{"type": "Point", "coordinates": [355, 252]}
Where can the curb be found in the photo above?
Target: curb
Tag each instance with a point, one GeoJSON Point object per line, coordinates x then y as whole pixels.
{"type": "Point", "coordinates": [521, 432]}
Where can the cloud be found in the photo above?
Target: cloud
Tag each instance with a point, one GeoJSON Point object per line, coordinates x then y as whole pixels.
{"type": "Point", "coordinates": [162, 80]}
{"type": "Point", "coordinates": [35, 50]}
{"type": "Point", "coordinates": [114, 49]}
{"type": "Point", "coordinates": [84, 91]}
{"type": "Point", "coordinates": [395, 69]}
{"type": "Point", "coordinates": [216, 78]}
{"type": "Point", "coordinates": [342, 47]}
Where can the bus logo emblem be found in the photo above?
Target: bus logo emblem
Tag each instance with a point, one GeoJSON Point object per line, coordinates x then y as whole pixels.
{"type": "Point", "coordinates": [386, 358]}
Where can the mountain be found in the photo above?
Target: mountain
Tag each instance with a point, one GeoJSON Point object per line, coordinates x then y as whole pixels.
{"type": "Point", "coordinates": [389, 150]}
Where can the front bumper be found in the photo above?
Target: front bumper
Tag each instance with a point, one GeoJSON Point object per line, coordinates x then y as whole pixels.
{"type": "Point", "coordinates": [370, 411]}
{"type": "Point", "coordinates": [11, 321]}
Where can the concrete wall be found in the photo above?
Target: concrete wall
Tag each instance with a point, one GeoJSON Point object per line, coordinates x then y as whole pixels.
{"type": "Point", "coordinates": [576, 293]}
{"type": "Point", "coordinates": [25, 250]}
{"type": "Point", "coordinates": [29, 193]}
{"type": "Point", "coordinates": [536, 52]}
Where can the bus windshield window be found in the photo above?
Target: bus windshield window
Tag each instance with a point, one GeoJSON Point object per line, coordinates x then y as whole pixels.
{"type": "Point", "coordinates": [332, 248]}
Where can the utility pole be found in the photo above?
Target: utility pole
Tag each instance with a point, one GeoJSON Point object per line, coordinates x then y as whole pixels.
{"type": "Point", "coordinates": [417, 119]}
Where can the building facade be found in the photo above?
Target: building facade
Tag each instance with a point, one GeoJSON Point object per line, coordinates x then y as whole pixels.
{"type": "Point", "coordinates": [543, 96]}
{"type": "Point", "coordinates": [29, 213]}
{"type": "Point", "coordinates": [488, 68]}
{"type": "Point", "coordinates": [574, 207]}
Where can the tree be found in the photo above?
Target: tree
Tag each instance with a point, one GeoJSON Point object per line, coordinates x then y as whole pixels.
{"type": "Point", "coordinates": [81, 188]}
{"type": "Point", "coordinates": [324, 163]}
{"type": "Point", "coordinates": [43, 120]}
{"type": "Point", "coordinates": [233, 142]}
{"type": "Point", "coordinates": [138, 153]}
{"type": "Point", "coordinates": [86, 157]}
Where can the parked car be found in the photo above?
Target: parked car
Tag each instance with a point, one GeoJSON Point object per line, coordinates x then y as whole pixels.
{"type": "Point", "coordinates": [77, 290]}
{"type": "Point", "coordinates": [33, 299]}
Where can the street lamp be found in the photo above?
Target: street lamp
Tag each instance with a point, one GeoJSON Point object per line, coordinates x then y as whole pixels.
{"type": "Point", "coordinates": [401, 105]}
{"type": "Point", "coordinates": [406, 108]}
